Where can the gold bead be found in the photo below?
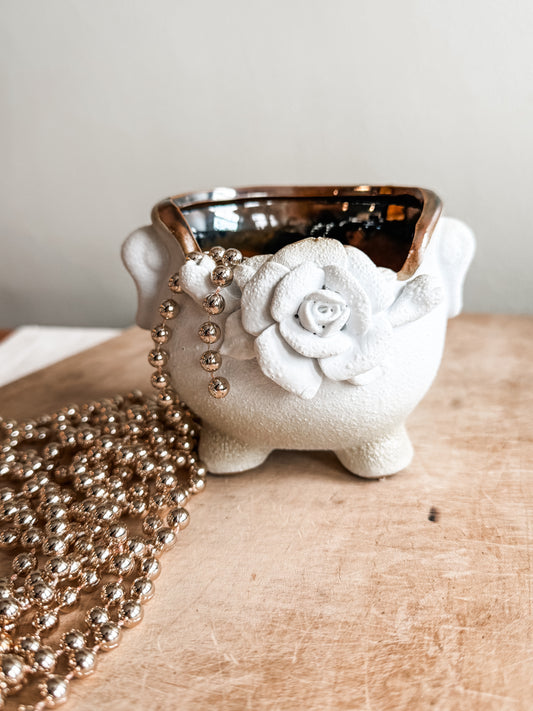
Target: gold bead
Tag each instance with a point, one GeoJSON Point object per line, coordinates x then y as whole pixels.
{"type": "Point", "coordinates": [25, 518]}
{"type": "Point", "coordinates": [136, 546]}
{"type": "Point", "coordinates": [23, 563]}
{"type": "Point", "coordinates": [31, 538]}
{"type": "Point", "coordinates": [58, 567]}
{"type": "Point", "coordinates": [173, 416]}
{"type": "Point", "coordinates": [158, 358]}
{"type": "Point", "coordinates": [164, 538]}
{"type": "Point", "coordinates": [137, 506]}
{"type": "Point", "coordinates": [150, 567]}
{"type": "Point", "coordinates": [57, 526]}
{"type": "Point", "coordinates": [42, 594]}
{"type": "Point", "coordinates": [178, 496]}
{"type": "Point", "coordinates": [168, 309]}
{"type": "Point", "coordinates": [106, 512]}
{"type": "Point", "coordinates": [166, 397]}
{"type": "Point", "coordinates": [151, 524]}
{"type": "Point", "coordinates": [118, 533]}
{"type": "Point", "coordinates": [74, 565]}
{"type": "Point", "coordinates": [214, 303]}
{"type": "Point", "coordinates": [11, 669]}
{"type": "Point", "coordinates": [6, 494]}
{"type": "Point", "coordinates": [186, 425]}
{"type": "Point", "coordinates": [178, 518]}
{"type": "Point", "coordinates": [85, 438]}
{"type": "Point", "coordinates": [57, 511]}
{"type": "Point", "coordinates": [161, 333]}
{"type": "Point", "coordinates": [142, 589]}
{"type": "Point", "coordinates": [54, 690]}
{"type": "Point", "coordinates": [232, 257]}
{"type": "Point", "coordinates": [130, 613]}
{"type": "Point", "coordinates": [89, 579]}
{"type": "Point", "coordinates": [52, 451]}
{"type": "Point", "coordinates": [222, 275]}
{"type": "Point", "coordinates": [96, 617]}
{"type": "Point", "coordinates": [44, 659]}
{"type": "Point", "coordinates": [101, 554]}
{"type": "Point", "coordinates": [107, 636]}
{"type": "Point", "coordinates": [121, 564]}
{"type": "Point", "coordinates": [161, 452]}
{"type": "Point", "coordinates": [84, 545]}
{"type": "Point", "coordinates": [198, 469]}
{"type": "Point", "coordinates": [45, 621]}
{"type": "Point", "coordinates": [73, 639]}
{"type": "Point", "coordinates": [211, 361]}
{"type": "Point", "coordinates": [185, 444]}
{"type": "Point", "coordinates": [197, 483]}
{"type": "Point", "coordinates": [27, 646]}
{"type": "Point", "coordinates": [36, 576]}
{"type": "Point", "coordinates": [194, 257]}
{"type": "Point", "coordinates": [8, 538]}
{"type": "Point", "coordinates": [54, 546]}
{"type": "Point", "coordinates": [160, 379]}
{"type": "Point", "coordinates": [209, 332]}
{"type": "Point", "coordinates": [217, 253]}
{"type": "Point", "coordinates": [218, 387]}
{"type": "Point", "coordinates": [82, 662]}
{"type": "Point", "coordinates": [68, 597]}
{"type": "Point", "coordinates": [166, 481]}
{"type": "Point", "coordinates": [113, 594]}
{"type": "Point", "coordinates": [8, 511]}
{"type": "Point", "coordinates": [174, 284]}
{"type": "Point", "coordinates": [9, 612]}
{"type": "Point", "coordinates": [157, 501]}
{"type": "Point", "coordinates": [6, 643]}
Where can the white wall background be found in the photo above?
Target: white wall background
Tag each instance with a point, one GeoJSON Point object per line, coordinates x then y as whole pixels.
{"type": "Point", "coordinates": [110, 105]}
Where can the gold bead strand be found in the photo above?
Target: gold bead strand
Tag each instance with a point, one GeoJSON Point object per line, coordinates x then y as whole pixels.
{"type": "Point", "coordinates": [214, 304]}
{"type": "Point", "coordinates": [161, 333]}
{"type": "Point", "coordinates": [63, 504]}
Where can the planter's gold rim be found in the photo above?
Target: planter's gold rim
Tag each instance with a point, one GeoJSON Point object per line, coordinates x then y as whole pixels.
{"type": "Point", "coordinates": [168, 212]}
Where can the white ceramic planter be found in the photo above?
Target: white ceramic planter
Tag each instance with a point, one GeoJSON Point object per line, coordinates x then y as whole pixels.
{"type": "Point", "coordinates": [322, 348]}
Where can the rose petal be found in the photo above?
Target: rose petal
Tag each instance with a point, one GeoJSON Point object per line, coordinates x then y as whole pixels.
{"type": "Point", "coordinates": [310, 345]}
{"type": "Point", "coordinates": [366, 378]}
{"type": "Point", "coordinates": [378, 282]}
{"type": "Point", "coordinates": [292, 372]}
{"type": "Point", "coordinates": [293, 288]}
{"type": "Point", "coordinates": [237, 342]}
{"type": "Point", "coordinates": [243, 272]}
{"type": "Point", "coordinates": [256, 297]}
{"type": "Point", "coordinates": [343, 282]}
{"type": "Point", "coordinates": [232, 297]}
{"type": "Point", "coordinates": [367, 351]}
{"type": "Point", "coordinates": [320, 323]}
{"type": "Point", "coordinates": [195, 277]}
{"type": "Point", "coordinates": [320, 250]}
{"type": "Point", "coordinates": [417, 298]}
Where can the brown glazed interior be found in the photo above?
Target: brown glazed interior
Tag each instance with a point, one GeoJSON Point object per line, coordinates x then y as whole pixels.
{"type": "Point", "coordinates": [392, 225]}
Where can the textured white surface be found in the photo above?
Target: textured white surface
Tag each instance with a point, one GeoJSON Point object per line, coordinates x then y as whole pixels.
{"type": "Point", "coordinates": [30, 348]}
{"type": "Point", "coordinates": [108, 106]}
{"type": "Point", "coordinates": [284, 397]}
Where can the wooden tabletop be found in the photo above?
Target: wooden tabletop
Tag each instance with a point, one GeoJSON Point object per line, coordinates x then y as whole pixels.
{"type": "Point", "coordinates": [300, 586]}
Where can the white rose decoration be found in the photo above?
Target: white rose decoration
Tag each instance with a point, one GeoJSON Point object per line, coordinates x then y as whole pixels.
{"type": "Point", "coordinates": [316, 309]}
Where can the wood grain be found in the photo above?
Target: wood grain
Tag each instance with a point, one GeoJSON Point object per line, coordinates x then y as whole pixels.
{"type": "Point", "coordinates": [299, 586]}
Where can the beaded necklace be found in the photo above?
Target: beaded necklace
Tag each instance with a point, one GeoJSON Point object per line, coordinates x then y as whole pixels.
{"type": "Point", "coordinates": [92, 496]}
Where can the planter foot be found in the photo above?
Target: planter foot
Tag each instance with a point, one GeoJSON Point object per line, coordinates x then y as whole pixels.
{"type": "Point", "coordinates": [381, 457]}
{"type": "Point", "coordinates": [223, 454]}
